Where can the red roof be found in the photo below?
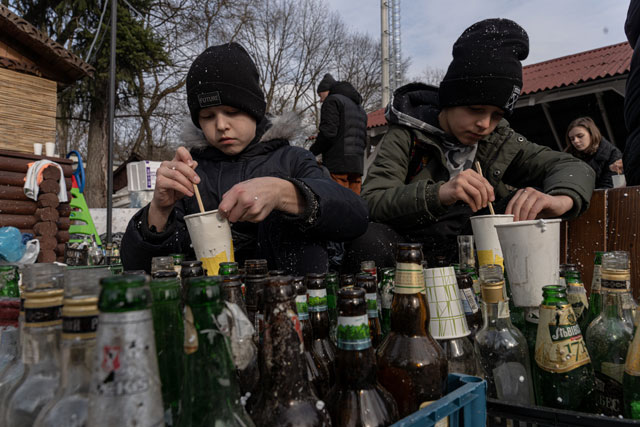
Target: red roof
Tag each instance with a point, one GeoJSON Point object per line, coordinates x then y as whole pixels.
{"type": "Point", "coordinates": [568, 70]}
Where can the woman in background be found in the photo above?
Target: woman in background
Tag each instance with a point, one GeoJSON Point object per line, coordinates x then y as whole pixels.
{"type": "Point", "coordinates": [585, 141]}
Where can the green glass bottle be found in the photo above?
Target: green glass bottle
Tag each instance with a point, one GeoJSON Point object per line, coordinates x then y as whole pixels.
{"type": "Point", "coordinates": [228, 268]}
{"type": "Point", "coordinates": [563, 373]}
{"type": "Point", "coordinates": [169, 334]}
{"type": "Point", "coordinates": [211, 393]}
{"type": "Point", "coordinates": [367, 282]}
{"type": "Point", "coordinates": [125, 382]}
{"type": "Point", "coordinates": [577, 295]}
{"type": "Point", "coordinates": [595, 297]}
{"type": "Point", "coordinates": [609, 335]}
{"type": "Point", "coordinates": [9, 278]}
{"type": "Point", "coordinates": [631, 377]}
{"type": "Point", "coordinates": [386, 298]}
{"type": "Point", "coordinates": [331, 283]}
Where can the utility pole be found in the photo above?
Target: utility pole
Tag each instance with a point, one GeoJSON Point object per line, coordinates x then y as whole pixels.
{"type": "Point", "coordinates": [384, 26]}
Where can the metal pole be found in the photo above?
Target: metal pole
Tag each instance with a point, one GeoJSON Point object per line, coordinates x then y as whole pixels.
{"type": "Point", "coordinates": [112, 106]}
{"type": "Point", "coordinates": [384, 27]}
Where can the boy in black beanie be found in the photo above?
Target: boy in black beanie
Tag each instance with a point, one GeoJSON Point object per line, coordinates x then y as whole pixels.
{"type": "Point", "coordinates": [422, 185]}
{"type": "Point", "coordinates": [277, 198]}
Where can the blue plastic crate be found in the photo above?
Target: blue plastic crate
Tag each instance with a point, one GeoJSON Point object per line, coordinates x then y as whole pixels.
{"type": "Point", "coordinates": [465, 404]}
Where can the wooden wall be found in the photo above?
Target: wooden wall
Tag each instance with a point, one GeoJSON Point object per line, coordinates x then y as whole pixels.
{"type": "Point", "coordinates": [612, 223]}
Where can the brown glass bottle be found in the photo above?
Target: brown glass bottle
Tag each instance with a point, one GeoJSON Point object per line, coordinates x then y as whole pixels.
{"type": "Point", "coordinates": [319, 316]}
{"type": "Point", "coordinates": [347, 280]}
{"type": "Point", "coordinates": [254, 285]}
{"type": "Point", "coordinates": [189, 269]}
{"type": "Point", "coordinates": [357, 399]}
{"type": "Point", "coordinates": [256, 267]}
{"type": "Point", "coordinates": [232, 291]}
{"type": "Point", "coordinates": [411, 364]}
{"type": "Point", "coordinates": [273, 273]}
{"type": "Point", "coordinates": [317, 369]}
{"type": "Point", "coordinates": [368, 282]}
{"type": "Point", "coordinates": [286, 398]}
{"type": "Point", "coordinates": [469, 303]}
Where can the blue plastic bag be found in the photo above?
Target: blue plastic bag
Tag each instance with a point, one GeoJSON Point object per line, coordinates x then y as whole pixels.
{"type": "Point", "coordinates": [11, 246]}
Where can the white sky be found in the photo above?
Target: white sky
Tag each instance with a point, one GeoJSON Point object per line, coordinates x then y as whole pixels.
{"type": "Point", "coordinates": [430, 27]}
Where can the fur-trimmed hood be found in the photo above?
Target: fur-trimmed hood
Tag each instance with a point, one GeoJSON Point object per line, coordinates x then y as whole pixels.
{"type": "Point", "coordinates": [287, 126]}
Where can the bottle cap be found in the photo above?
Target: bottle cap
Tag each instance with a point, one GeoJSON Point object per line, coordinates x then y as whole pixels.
{"type": "Point", "coordinates": [492, 291]}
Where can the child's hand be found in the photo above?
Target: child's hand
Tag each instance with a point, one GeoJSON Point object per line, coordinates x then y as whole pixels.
{"type": "Point", "coordinates": [254, 199]}
{"type": "Point", "coordinates": [529, 203]}
{"type": "Point", "coordinates": [468, 186]}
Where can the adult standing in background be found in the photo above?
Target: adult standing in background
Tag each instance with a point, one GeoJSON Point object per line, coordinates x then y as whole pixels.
{"type": "Point", "coordinates": [343, 132]}
{"type": "Point", "coordinates": [631, 156]}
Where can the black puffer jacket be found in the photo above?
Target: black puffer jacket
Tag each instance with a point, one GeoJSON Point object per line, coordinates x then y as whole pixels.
{"type": "Point", "coordinates": [631, 158]}
{"type": "Point", "coordinates": [332, 212]}
{"type": "Point", "coordinates": [343, 131]}
{"type": "Point", "coordinates": [606, 154]}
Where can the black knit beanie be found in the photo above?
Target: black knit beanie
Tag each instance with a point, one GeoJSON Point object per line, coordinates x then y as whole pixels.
{"type": "Point", "coordinates": [486, 68]}
{"type": "Point", "coordinates": [326, 83]}
{"type": "Point", "coordinates": [224, 75]}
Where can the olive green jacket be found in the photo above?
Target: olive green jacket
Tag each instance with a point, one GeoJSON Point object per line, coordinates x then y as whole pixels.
{"type": "Point", "coordinates": [506, 157]}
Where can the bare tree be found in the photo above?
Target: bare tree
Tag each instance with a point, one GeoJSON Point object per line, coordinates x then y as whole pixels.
{"type": "Point", "coordinates": [432, 76]}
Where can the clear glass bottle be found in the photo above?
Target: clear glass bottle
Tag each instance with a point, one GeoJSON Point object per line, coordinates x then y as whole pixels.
{"type": "Point", "coordinates": [9, 314]}
{"type": "Point", "coordinates": [609, 335]}
{"type": "Point", "coordinates": [125, 383]}
{"type": "Point", "coordinates": [502, 348]}
{"type": "Point", "coordinates": [357, 399]}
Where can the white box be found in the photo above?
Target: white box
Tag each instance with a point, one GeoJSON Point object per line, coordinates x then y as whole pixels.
{"type": "Point", "coordinates": [142, 175]}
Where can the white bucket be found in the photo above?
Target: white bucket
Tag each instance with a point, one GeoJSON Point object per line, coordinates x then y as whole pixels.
{"type": "Point", "coordinates": [447, 319]}
{"type": "Point", "coordinates": [211, 238]}
{"type": "Point", "coordinates": [532, 257]}
{"type": "Point", "coordinates": [486, 237]}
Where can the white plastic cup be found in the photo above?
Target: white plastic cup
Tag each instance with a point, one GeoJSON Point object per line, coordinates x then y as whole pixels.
{"type": "Point", "coordinates": [487, 242]}
{"type": "Point", "coordinates": [532, 258]}
{"type": "Point", "coordinates": [447, 319]}
{"type": "Point", "coordinates": [50, 148]}
{"type": "Point", "coordinates": [211, 239]}
{"type": "Point", "coordinates": [619, 181]}
{"type": "Point", "coordinates": [37, 149]}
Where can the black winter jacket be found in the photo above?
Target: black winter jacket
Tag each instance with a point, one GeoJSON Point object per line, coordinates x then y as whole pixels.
{"type": "Point", "coordinates": [342, 135]}
{"type": "Point", "coordinates": [631, 157]}
{"type": "Point", "coordinates": [606, 154]}
{"type": "Point", "coordinates": [331, 213]}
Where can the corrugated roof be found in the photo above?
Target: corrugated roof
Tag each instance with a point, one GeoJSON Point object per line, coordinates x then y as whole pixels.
{"type": "Point", "coordinates": [581, 67]}
{"type": "Point", "coordinates": [568, 70]}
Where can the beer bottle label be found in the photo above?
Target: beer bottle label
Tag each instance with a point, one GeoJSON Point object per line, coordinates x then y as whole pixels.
{"type": "Point", "coordinates": [353, 332]}
{"type": "Point", "coordinates": [614, 371]}
{"type": "Point", "coordinates": [608, 394]}
{"type": "Point", "coordinates": [190, 343]}
{"type": "Point", "coordinates": [295, 321]}
{"type": "Point", "coordinates": [372, 304]}
{"type": "Point", "coordinates": [632, 364]}
{"type": "Point", "coordinates": [559, 343]}
{"type": "Point", "coordinates": [317, 300]}
{"type": "Point", "coordinates": [302, 307]}
{"type": "Point", "coordinates": [577, 297]}
{"type": "Point", "coordinates": [469, 303]}
{"type": "Point", "coordinates": [43, 316]}
{"type": "Point", "coordinates": [409, 278]}
{"type": "Point", "coordinates": [386, 295]}
{"type": "Point", "coordinates": [597, 279]}
{"type": "Point", "coordinates": [80, 326]}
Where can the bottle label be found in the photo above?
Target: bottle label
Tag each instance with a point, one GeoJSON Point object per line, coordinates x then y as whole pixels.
{"type": "Point", "coordinates": [632, 363]}
{"type": "Point", "coordinates": [614, 285]}
{"type": "Point", "coordinates": [409, 278]}
{"type": "Point", "coordinates": [614, 371]}
{"type": "Point", "coordinates": [302, 307]}
{"type": "Point", "coordinates": [597, 279]}
{"type": "Point", "coordinates": [317, 300]}
{"type": "Point", "coordinates": [79, 327]}
{"type": "Point", "coordinates": [577, 297]}
{"type": "Point", "coordinates": [469, 303]}
{"type": "Point", "coordinates": [295, 321]}
{"type": "Point", "coordinates": [43, 316]}
{"type": "Point", "coordinates": [372, 304]}
{"type": "Point", "coordinates": [353, 332]}
{"type": "Point", "coordinates": [559, 343]}
{"type": "Point", "coordinates": [608, 395]}
{"type": "Point", "coordinates": [190, 343]}
{"type": "Point", "coordinates": [386, 294]}
{"type": "Point", "coordinates": [532, 315]}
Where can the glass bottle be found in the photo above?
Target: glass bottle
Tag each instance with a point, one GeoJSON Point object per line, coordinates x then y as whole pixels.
{"type": "Point", "coordinates": [211, 393]}
{"type": "Point", "coordinates": [125, 384]}
{"type": "Point", "coordinates": [228, 268]}
{"type": "Point", "coordinates": [609, 335]}
{"type": "Point", "coordinates": [40, 357]}
{"type": "Point", "coordinates": [367, 282]}
{"type": "Point", "coordinates": [469, 303]}
{"type": "Point", "coordinates": [386, 297]}
{"type": "Point", "coordinates": [278, 272]}
{"type": "Point", "coordinates": [631, 377]}
{"type": "Point", "coordinates": [286, 399]}
{"type": "Point", "coordinates": [322, 346]}
{"type": "Point", "coordinates": [411, 364]}
{"type": "Point", "coordinates": [161, 263]}
{"type": "Point", "coordinates": [177, 262]}
{"type": "Point", "coordinates": [232, 291]}
{"type": "Point", "coordinates": [577, 295]}
{"type": "Point", "coordinates": [347, 280]}
{"type": "Point", "coordinates": [254, 289]}
{"type": "Point", "coordinates": [168, 330]}
{"type": "Point", "coordinates": [189, 269]}
{"type": "Point", "coordinates": [256, 267]}
{"type": "Point", "coordinates": [595, 297]}
{"type": "Point", "coordinates": [357, 399]}
{"type": "Point", "coordinates": [331, 282]}
{"type": "Point", "coordinates": [501, 347]}
{"type": "Point", "coordinates": [563, 373]}
{"type": "Point", "coordinates": [317, 369]}
{"type": "Point", "coordinates": [9, 313]}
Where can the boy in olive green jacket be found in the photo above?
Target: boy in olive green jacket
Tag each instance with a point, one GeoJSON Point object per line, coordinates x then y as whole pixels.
{"type": "Point", "coordinates": [422, 184]}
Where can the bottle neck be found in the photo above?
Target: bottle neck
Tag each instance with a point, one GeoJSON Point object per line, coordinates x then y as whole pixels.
{"type": "Point", "coordinates": [496, 315]}
{"type": "Point", "coordinates": [616, 305]}
{"type": "Point", "coordinates": [409, 314]}
{"type": "Point", "coordinates": [40, 346]}
{"type": "Point", "coordinates": [355, 358]}
{"type": "Point", "coordinates": [77, 359]}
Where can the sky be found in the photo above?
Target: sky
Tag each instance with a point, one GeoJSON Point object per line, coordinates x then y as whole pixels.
{"type": "Point", "coordinates": [430, 27]}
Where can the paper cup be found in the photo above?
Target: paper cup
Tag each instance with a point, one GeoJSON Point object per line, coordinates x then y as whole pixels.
{"type": "Point", "coordinates": [532, 257]}
{"type": "Point", "coordinates": [487, 243]}
{"type": "Point", "coordinates": [211, 238]}
{"type": "Point", "coordinates": [50, 148]}
{"type": "Point", "coordinates": [447, 319]}
{"type": "Point", "coordinates": [619, 181]}
{"type": "Point", "coordinates": [37, 148]}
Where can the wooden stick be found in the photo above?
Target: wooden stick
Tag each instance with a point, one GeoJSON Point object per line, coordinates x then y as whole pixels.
{"type": "Point", "coordinates": [479, 169]}
{"type": "Point", "coordinates": [195, 190]}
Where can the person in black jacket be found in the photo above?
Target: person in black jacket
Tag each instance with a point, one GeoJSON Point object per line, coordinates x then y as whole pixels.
{"type": "Point", "coordinates": [280, 204]}
{"type": "Point", "coordinates": [631, 156]}
{"type": "Point", "coordinates": [585, 142]}
{"type": "Point", "coordinates": [342, 135]}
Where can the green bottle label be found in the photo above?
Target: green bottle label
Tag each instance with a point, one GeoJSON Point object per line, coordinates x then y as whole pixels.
{"type": "Point", "coordinates": [317, 300]}
{"type": "Point", "coordinates": [353, 332]}
{"type": "Point", "coordinates": [372, 305]}
{"type": "Point", "coordinates": [302, 307]}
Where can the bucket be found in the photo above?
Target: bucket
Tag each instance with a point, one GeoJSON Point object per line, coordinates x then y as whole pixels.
{"type": "Point", "coordinates": [487, 242]}
{"type": "Point", "coordinates": [532, 257]}
{"type": "Point", "coordinates": [447, 319]}
{"type": "Point", "coordinates": [211, 239]}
